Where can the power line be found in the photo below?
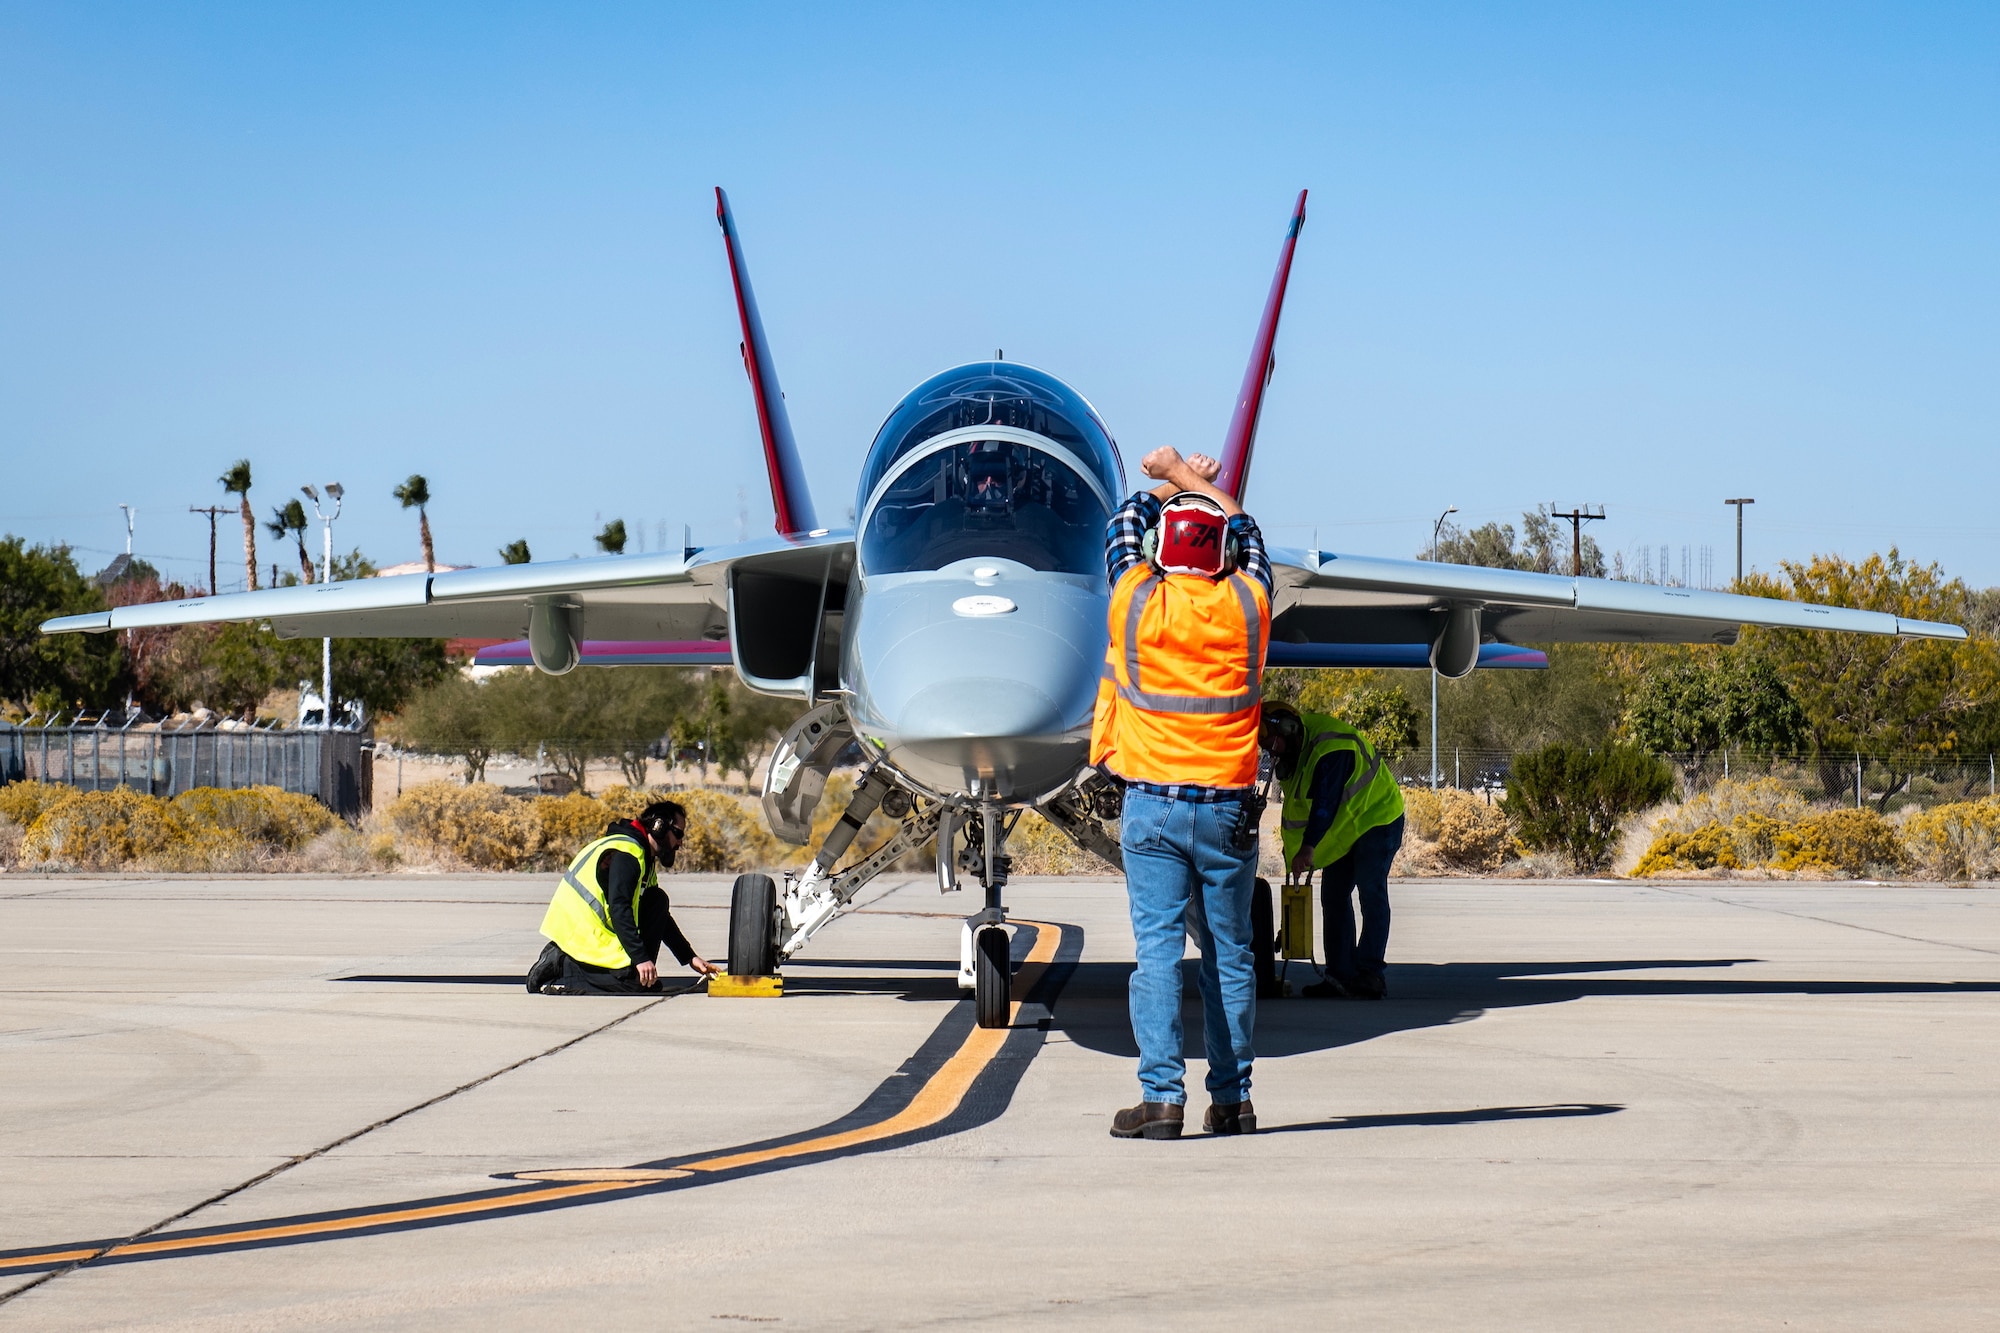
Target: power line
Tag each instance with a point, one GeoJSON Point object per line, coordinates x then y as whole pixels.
{"type": "Point", "coordinates": [1577, 517]}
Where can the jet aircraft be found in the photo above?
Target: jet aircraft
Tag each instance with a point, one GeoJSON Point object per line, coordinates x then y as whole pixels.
{"type": "Point", "coordinates": [956, 634]}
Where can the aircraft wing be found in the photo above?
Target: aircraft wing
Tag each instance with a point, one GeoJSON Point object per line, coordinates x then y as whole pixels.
{"type": "Point", "coordinates": [1325, 598]}
{"type": "Point", "coordinates": [660, 597]}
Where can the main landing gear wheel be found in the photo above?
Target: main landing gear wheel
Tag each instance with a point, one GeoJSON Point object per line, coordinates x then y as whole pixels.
{"type": "Point", "coordinates": [993, 977]}
{"type": "Point", "coordinates": [753, 926]}
{"type": "Point", "coordinates": [1263, 941]}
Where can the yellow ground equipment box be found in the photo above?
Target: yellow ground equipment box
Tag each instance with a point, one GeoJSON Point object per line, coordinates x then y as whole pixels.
{"type": "Point", "coordinates": [724, 983]}
{"type": "Point", "coordinates": [1295, 920]}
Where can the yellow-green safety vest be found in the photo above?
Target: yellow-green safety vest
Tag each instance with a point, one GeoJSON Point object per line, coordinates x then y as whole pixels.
{"type": "Point", "coordinates": [1370, 799]}
{"type": "Point", "coordinates": [578, 920]}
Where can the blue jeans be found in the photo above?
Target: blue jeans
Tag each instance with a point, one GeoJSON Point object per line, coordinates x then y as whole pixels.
{"type": "Point", "coordinates": [1183, 877]}
{"type": "Point", "coordinates": [1364, 871]}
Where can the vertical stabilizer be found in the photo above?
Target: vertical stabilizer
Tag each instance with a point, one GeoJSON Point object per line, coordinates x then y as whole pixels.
{"type": "Point", "coordinates": [1242, 435]}
{"type": "Point", "coordinates": [789, 496]}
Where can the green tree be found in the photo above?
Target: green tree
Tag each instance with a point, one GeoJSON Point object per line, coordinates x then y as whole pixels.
{"type": "Point", "coordinates": [290, 517]}
{"type": "Point", "coordinates": [1569, 800]}
{"type": "Point", "coordinates": [453, 716]}
{"type": "Point", "coordinates": [1545, 546]}
{"type": "Point", "coordinates": [416, 493]}
{"type": "Point", "coordinates": [1365, 699]}
{"type": "Point", "coordinates": [516, 552]}
{"type": "Point", "coordinates": [1891, 698]}
{"type": "Point", "coordinates": [611, 541]}
{"type": "Point", "coordinates": [1712, 699]}
{"type": "Point", "coordinates": [591, 713]}
{"type": "Point", "coordinates": [236, 481]}
{"type": "Point", "coordinates": [44, 672]}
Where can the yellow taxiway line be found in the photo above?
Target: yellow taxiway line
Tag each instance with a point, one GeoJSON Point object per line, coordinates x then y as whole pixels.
{"type": "Point", "coordinates": [936, 1099]}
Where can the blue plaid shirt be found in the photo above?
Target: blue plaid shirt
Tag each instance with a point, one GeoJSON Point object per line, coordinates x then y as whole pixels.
{"type": "Point", "coordinates": [1124, 548]}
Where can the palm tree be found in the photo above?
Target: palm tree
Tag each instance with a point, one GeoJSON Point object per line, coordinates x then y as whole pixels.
{"type": "Point", "coordinates": [292, 518]}
{"type": "Point", "coordinates": [611, 541]}
{"type": "Point", "coordinates": [236, 481]}
{"type": "Point", "coordinates": [516, 552]}
{"type": "Point", "coordinates": [416, 493]}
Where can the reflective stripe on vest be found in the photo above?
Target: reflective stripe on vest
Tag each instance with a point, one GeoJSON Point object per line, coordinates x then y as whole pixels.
{"type": "Point", "coordinates": [1177, 699]}
{"type": "Point", "coordinates": [1253, 668]}
{"type": "Point", "coordinates": [579, 917]}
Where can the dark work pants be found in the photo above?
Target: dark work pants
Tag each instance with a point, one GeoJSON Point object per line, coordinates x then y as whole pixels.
{"type": "Point", "coordinates": [1364, 870]}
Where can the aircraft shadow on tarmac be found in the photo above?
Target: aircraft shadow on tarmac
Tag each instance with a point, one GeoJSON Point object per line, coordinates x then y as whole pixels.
{"type": "Point", "coordinates": [1093, 1010]}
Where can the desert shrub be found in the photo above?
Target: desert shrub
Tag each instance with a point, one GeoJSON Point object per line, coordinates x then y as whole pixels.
{"type": "Point", "coordinates": [1709, 847]}
{"type": "Point", "coordinates": [726, 834]}
{"type": "Point", "coordinates": [1956, 841]}
{"type": "Point", "coordinates": [271, 816]}
{"type": "Point", "coordinates": [24, 802]}
{"type": "Point", "coordinates": [10, 843]}
{"type": "Point", "coordinates": [1722, 803]}
{"type": "Point", "coordinates": [206, 848]}
{"type": "Point", "coordinates": [1422, 810]}
{"type": "Point", "coordinates": [477, 825]}
{"type": "Point", "coordinates": [1568, 800]}
{"type": "Point", "coordinates": [101, 830]}
{"type": "Point", "coordinates": [566, 823]}
{"type": "Point", "coordinates": [1038, 847]}
{"type": "Point", "coordinates": [1471, 835]}
{"type": "Point", "coordinates": [1852, 842]}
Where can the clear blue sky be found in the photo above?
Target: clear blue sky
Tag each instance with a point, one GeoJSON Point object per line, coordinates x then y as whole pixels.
{"type": "Point", "coordinates": [1644, 257]}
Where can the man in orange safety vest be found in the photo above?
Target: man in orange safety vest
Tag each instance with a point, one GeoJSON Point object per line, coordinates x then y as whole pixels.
{"type": "Point", "coordinates": [1176, 723]}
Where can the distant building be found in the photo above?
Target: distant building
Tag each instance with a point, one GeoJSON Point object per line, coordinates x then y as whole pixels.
{"type": "Point", "coordinates": [417, 567]}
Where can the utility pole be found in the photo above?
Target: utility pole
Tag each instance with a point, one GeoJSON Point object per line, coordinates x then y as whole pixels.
{"type": "Point", "coordinates": [211, 511]}
{"type": "Point", "coordinates": [1436, 528]}
{"type": "Point", "coordinates": [1739, 533]}
{"type": "Point", "coordinates": [1577, 517]}
{"type": "Point", "coordinates": [333, 493]}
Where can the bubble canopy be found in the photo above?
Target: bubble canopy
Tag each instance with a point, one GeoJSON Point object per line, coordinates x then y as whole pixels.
{"type": "Point", "coordinates": [989, 460]}
{"type": "Point", "coordinates": [993, 393]}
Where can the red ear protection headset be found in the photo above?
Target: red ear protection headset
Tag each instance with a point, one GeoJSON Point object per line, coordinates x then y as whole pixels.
{"type": "Point", "coordinates": [1192, 537]}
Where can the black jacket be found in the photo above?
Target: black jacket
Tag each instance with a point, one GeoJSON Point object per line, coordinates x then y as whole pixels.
{"type": "Point", "coordinates": [618, 873]}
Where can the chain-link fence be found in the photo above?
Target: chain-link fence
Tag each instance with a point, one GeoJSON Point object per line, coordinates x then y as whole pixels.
{"type": "Point", "coordinates": [167, 758]}
{"type": "Point", "coordinates": [1887, 782]}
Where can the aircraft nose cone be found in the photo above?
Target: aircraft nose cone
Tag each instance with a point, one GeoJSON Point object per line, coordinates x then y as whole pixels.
{"type": "Point", "coordinates": [979, 706]}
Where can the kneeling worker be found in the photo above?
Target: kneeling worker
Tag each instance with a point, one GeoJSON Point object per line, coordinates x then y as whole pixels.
{"type": "Point", "coordinates": [609, 915]}
{"type": "Point", "coordinates": [1343, 815]}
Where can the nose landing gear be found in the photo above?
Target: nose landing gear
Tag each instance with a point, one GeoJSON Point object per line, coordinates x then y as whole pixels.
{"type": "Point", "coordinates": [986, 947]}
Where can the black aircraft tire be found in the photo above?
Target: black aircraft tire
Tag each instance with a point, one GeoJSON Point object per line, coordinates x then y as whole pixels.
{"type": "Point", "coordinates": [993, 977]}
{"type": "Point", "coordinates": [1263, 940]}
{"type": "Point", "coordinates": [753, 907]}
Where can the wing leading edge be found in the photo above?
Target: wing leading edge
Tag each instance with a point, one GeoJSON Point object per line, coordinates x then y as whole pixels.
{"type": "Point", "coordinates": [1324, 598]}
{"type": "Point", "coordinates": [655, 598]}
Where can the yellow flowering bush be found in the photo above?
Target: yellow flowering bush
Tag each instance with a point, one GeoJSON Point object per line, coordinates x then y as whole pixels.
{"type": "Point", "coordinates": [477, 825]}
{"type": "Point", "coordinates": [267, 815]}
{"type": "Point", "coordinates": [1956, 841]}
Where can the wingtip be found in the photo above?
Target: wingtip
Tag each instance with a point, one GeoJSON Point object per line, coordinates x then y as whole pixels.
{"type": "Point", "coordinates": [91, 622]}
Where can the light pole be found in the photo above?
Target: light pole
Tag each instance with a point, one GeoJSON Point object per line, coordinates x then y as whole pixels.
{"type": "Point", "coordinates": [1436, 528]}
{"type": "Point", "coordinates": [1739, 533]}
{"type": "Point", "coordinates": [130, 514]}
{"type": "Point", "coordinates": [333, 493]}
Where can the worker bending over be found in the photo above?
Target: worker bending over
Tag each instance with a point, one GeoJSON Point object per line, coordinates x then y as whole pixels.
{"type": "Point", "coordinates": [1343, 816]}
{"type": "Point", "coordinates": [1177, 723]}
{"type": "Point", "coordinates": [609, 916]}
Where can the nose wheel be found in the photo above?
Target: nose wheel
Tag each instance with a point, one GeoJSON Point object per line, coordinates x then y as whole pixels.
{"type": "Point", "coordinates": [993, 977]}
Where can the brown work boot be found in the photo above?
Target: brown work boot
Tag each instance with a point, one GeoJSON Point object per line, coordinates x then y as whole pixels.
{"type": "Point", "coordinates": [1230, 1118]}
{"type": "Point", "coordinates": [1149, 1120]}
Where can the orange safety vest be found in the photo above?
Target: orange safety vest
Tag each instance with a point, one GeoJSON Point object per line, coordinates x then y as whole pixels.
{"type": "Point", "coordinates": [1178, 700]}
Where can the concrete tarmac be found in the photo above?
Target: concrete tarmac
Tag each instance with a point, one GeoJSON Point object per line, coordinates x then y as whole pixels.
{"type": "Point", "coordinates": [305, 1103]}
